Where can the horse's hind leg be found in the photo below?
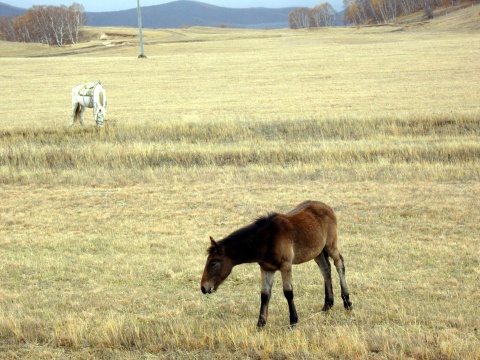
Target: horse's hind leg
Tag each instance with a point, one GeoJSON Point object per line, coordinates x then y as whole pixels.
{"type": "Point", "coordinates": [326, 269]}
{"type": "Point", "coordinates": [288, 293]}
{"type": "Point", "coordinates": [77, 112]}
{"type": "Point", "coordinates": [82, 113]}
{"type": "Point", "coordinates": [75, 105]}
{"type": "Point", "coordinates": [267, 282]}
{"type": "Point", "coordinates": [340, 265]}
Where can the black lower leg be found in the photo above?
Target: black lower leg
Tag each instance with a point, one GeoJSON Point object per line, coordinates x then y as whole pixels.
{"type": "Point", "coordinates": [346, 301]}
{"type": "Point", "coordinates": [262, 319]}
{"type": "Point", "coordinates": [328, 295]}
{"type": "Point", "coordinates": [326, 268]}
{"type": "Point", "coordinates": [291, 307]}
{"type": "Point", "coordinates": [328, 299]}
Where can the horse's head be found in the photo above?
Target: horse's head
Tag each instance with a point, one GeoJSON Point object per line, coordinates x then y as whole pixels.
{"type": "Point", "coordinates": [217, 268]}
{"type": "Point", "coordinates": [100, 116]}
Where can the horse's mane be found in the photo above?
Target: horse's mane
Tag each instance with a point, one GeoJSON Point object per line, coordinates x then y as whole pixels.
{"type": "Point", "coordinates": [246, 234]}
{"type": "Point", "coordinates": [250, 232]}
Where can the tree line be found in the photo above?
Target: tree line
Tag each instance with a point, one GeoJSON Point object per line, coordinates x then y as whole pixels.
{"type": "Point", "coordinates": [321, 15]}
{"type": "Point", "coordinates": [383, 11]}
{"type": "Point", "coordinates": [52, 25]}
{"type": "Point", "coordinates": [359, 12]}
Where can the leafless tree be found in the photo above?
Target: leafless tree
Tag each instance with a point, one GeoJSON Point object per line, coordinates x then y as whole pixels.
{"type": "Point", "coordinates": [76, 19]}
{"type": "Point", "coordinates": [385, 10]}
{"type": "Point", "coordinates": [322, 15]}
{"type": "Point", "coordinates": [355, 14]}
{"type": "Point", "coordinates": [298, 18]}
{"type": "Point", "coordinates": [53, 25]}
{"type": "Point", "coordinates": [7, 30]}
{"type": "Point", "coordinates": [381, 11]}
{"type": "Point", "coordinates": [409, 6]}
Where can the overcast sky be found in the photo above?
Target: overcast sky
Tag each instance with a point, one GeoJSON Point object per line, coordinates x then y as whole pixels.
{"type": "Point", "coordinates": [113, 5]}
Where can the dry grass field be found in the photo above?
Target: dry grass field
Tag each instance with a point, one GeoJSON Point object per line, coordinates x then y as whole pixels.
{"type": "Point", "coordinates": [103, 232]}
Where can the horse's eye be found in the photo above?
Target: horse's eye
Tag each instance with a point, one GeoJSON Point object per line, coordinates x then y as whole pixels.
{"type": "Point", "coordinates": [214, 263]}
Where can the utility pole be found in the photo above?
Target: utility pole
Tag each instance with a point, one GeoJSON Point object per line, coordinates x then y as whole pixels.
{"type": "Point", "coordinates": [142, 55]}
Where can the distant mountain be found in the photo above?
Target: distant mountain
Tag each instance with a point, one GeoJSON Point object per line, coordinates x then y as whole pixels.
{"type": "Point", "coordinates": [182, 13]}
{"type": "Point", "coordinates": [192, 13]}
{"type": "Point", "coordinates": [9, 10]}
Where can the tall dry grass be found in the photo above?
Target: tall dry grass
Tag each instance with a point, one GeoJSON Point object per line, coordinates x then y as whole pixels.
{"type": "Point", "coordinates": [436, 145]}
{"type": "Point", "coordinates": [103, 232]}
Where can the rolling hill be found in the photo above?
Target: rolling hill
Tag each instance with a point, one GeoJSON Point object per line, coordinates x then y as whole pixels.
{"type": "Point", "coordinates": [9, 10]}
{"type": "Point", "coordinates": [192, 13]}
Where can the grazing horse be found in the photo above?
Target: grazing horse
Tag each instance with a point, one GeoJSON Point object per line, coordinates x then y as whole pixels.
{"type": "Point", "coordinates": [276, 242]}
{"type": "Point", "coordinates": [89, 95]}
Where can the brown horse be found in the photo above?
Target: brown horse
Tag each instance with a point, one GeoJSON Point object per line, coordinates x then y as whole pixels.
{"type": "Point", "coordinates": [276, 242]}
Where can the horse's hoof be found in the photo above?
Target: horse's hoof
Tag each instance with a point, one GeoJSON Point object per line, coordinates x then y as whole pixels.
{"type": "Point", "coordinates": [261, 322]}
{"type": "Point", "coordinates": [327, 307]}
{"type": "Point", "coordinates": [347, 303]}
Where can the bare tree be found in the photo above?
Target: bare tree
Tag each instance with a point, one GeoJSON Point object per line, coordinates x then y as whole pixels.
{"type": "Point", "coordinates": [385, 10]}
{"type": "Point", "coordinates": [76, 19]}
{"type": "Point", "coordinates": [58, 17]}
{"type": "Point", "coordinates": [358, 12]}
{"type": "Point", "coordinates": [382, 11]}
{"type": "Point", "coordinates": [409, 6]}
{"type": "Point", "coordinates": [322, 15]}
{"type": "Point", "coordinates": [41, 25]}
{"type": "Point", "coordinates": [7, 29]}
{"type": "Point", "coordinates": [53, 25]}
{"type": "Point", "coordinates": [23, 29]}
{"type": "Point", "coordinates": [298, 18]}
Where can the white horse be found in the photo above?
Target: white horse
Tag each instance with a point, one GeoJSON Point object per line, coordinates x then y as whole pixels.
{"type": "Point", "coordinates": [89, 95]}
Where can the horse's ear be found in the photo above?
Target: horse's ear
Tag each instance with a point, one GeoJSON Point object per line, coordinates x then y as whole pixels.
{"type": "Point", "coordinates": [214, 248]}
{"type": "Point", "coordinates": [213, 242]}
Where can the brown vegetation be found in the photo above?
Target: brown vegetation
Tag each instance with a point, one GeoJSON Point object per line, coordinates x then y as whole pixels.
{"type": "Point", "coordinates": [103, 233]}
{"type": "Point", "coordinates": [319, 16]}
{"type": "Point", "coordinates": [52, 25]}
{"type": "Point", "coordinates": [386, 11]}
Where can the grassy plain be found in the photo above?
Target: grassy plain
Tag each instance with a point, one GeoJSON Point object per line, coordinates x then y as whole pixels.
{"type": "Point", "coordinates": [103, 232]}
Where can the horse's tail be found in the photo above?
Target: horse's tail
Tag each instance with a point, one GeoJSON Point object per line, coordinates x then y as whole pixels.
{"type": "Point", "coordinates": [78, 110]}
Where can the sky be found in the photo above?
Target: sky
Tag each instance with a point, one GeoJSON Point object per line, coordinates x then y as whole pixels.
{"type": "Point", "coordinates": [114, 5]}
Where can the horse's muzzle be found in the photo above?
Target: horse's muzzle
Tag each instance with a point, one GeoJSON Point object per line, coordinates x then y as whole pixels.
{"type": "Point", "coordinates": [206, 289]}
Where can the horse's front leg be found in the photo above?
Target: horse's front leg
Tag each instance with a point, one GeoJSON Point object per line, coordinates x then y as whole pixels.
{"type": "Point", "coordinates": [267, 282]}
{"type": "Point", "coordinates": [288, 292]}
